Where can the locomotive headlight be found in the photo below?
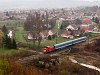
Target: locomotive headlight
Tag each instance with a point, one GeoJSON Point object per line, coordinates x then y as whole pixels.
{"type": "Point", "coordinates": [44, 50]}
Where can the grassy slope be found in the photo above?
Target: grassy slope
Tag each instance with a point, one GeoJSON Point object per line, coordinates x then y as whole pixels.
{"type": "Point", "coordinates": [3, 66]}
{"type": "Point", "coordinates": [8, 66]}
{"type": "Point", "coordinates": [8, 52]}
{"type": "Point", "coordinates": [93, 35]}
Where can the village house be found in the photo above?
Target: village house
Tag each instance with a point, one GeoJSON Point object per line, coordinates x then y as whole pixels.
{"type": "Point", "coordinates": [66, 34]}
{"type": "Point", "coordinates": [86, 21]}
{"type": "Point", "coordinates": [76, 33]}
{"type": "Point", "coordinates": [44, 34]}
{"type": "Point", "coordinates": [29, 37]}
{"type": "Point", "coordinates": [89, 27]}
{"type": "Point", "coordinates": [72, 27]}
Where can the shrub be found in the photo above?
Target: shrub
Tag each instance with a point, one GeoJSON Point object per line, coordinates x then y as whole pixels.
{"type": "Point", "coordinates": [64, 72]}
{"type": "Point", "coordinates": [49, 37]}
{"type": "Point", "coordinates": [53, 36]}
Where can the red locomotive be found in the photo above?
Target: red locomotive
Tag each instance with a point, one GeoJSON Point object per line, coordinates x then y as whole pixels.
{"type": "Point", "coordinates": [48, 48]}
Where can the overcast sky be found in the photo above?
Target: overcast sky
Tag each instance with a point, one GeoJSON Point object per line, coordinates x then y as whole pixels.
{"type": "Point", "coordinates": [11, 4]}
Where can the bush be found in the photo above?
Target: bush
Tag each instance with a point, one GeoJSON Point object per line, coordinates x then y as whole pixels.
{"type": "Point", "coordinates": [53, 36]}
{"type": "Point", "coordinates": [64, 72]}
{"type": "Point", "coordinates": [49, 37]}
{"type": "Point", "coordinates": [3, 67]}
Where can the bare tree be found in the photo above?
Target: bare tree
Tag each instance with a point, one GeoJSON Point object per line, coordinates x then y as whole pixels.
{"type": "Point", "coordinates": [35, 24]}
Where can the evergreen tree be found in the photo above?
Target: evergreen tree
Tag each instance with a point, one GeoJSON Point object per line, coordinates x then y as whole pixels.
{"type": "Point", "coordinates": [4, 30]}
{"type": "Point", "coordinates": [1, 39]}
{"type": "Point", "coordinates": [9, 43]}
{"type": "Point", "coordinates": [49, 37]}
{"type": "Point", "coordinates": [93, 19]}
{"type": "Point", "coordinates": [96, 20]}
{"type": "Point", "coordinates": [14, 45]}
{"type": "Point", "coordinates": [5, 41]}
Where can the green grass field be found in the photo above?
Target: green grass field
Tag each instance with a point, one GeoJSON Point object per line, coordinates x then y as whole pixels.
{"type": "Point", "coordinates": [3, 66]}
{"type": "Point", "coordinates": [19, 34]}
{"type": "Point", "coordinates": [93, 35]}
{"type": "Point", "coordinates": [8, 51]}
{"type": "Point", "coordinates": [8, 25]}
{"type": "Point", "coordinates": [54, 41]}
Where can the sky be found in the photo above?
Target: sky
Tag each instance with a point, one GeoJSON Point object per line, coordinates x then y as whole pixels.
{"type": "Point", "coordinates": [12, 4]}
{"type": "Point", "coordinates": [91, 0]}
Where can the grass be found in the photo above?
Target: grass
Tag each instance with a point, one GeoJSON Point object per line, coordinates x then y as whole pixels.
{"type": "Point", "coordinates": [11, 23]}
{"type": "Point", "coordinates": [7, 25]}
{"type": "Point", "coordinates": [8, 52]}
{"type": "Point", "coordinates": [49, 42]}
{"type": "Point", "coordinates": [54, 41]}
{"type": "Point", "coordinates": [9, 67]}
{"type": "Point", "coordinates": [11, 52]}
{"type": "Point", "coordinates": [19, 34]}
{"type": "Point", "coordinates": [3, 66]}
{"type": "Point", "coordinates": [93, 35]}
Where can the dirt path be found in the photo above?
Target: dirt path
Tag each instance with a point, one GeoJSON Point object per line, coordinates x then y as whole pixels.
{"type": "Point", "coordinates": [85, 65]}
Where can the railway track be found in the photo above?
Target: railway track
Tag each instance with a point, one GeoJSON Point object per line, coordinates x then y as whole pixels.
{"type": "Point", "coordinates": [54, 53]}
{"type": "Point", "coordinates": [39, 56]}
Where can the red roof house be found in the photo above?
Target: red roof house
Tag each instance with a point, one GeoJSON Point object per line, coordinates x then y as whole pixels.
{"type": "Point", "coordinates": [86, 21]}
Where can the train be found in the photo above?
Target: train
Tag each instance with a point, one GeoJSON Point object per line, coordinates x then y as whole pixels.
{"type": "Point", "coordinates": [62, 45]}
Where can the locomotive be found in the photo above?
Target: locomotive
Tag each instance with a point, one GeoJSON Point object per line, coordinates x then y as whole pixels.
{"type": "Point", "coordinates": [64, 44]}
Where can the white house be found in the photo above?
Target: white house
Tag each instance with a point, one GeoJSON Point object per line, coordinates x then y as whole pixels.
{"type": "Point", "coordinates": [10, 34]}
{"type": "Point", "coordinates": [30, 37]}
{"type": "Point", "coordinates": [50, 32]}
{"type": "Point", "coordinates": [72, 27]}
